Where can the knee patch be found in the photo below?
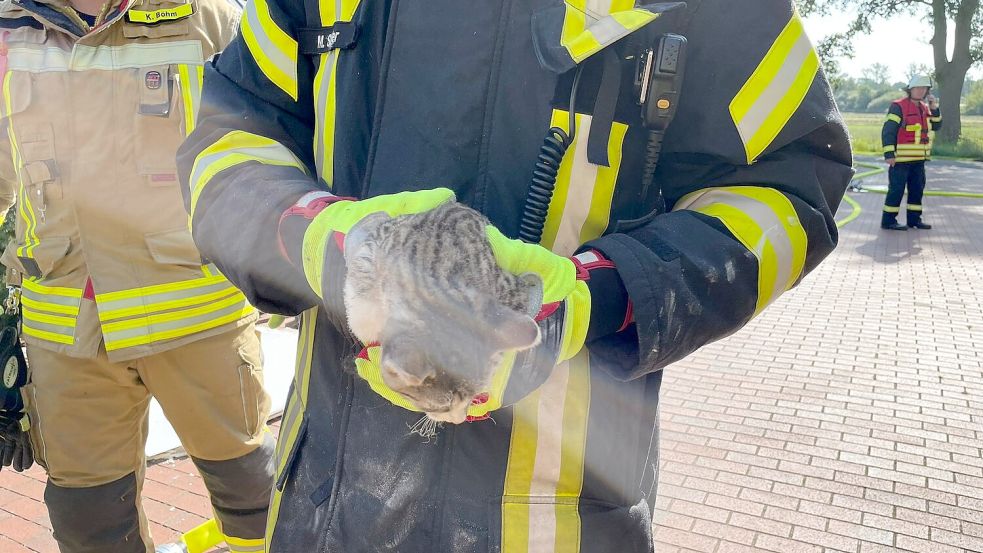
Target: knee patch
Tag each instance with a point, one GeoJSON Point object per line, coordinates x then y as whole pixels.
{"type": "Point", "coordinates": [101, 519]}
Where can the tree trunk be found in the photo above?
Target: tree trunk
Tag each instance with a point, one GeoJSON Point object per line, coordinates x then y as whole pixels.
{"type": "Point", "coordinates": [951, 79]}
{"type": "Point", "coordinates": [952, 74]}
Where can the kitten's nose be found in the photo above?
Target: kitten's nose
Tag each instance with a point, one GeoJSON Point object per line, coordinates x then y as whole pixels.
{"type": "Point", "coordinates": [453, 415]}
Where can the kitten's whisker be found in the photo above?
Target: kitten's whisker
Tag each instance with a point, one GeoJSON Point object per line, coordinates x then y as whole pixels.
{"type": "Point", "coordinates": [425, 428]}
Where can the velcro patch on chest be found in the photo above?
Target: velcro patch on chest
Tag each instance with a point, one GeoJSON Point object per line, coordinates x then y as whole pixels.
{"type": "Point", "coordinates": [160, 15]}
{"type": "Point", "coordinates": [340, 36]}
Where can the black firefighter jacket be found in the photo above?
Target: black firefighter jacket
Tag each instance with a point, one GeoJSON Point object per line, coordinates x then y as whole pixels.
{"type": "Point", "coordinates": [377, 96]}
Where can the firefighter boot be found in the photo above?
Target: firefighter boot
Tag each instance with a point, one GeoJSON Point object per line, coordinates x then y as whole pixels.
{"type": "Point", "coordinates": [889, 221]}
{"type": "Point", "coordinates": [915, 221]}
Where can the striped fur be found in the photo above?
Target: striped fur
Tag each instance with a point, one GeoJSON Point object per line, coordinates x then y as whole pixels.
{"type": "Point", "coordinates": [428, 288]}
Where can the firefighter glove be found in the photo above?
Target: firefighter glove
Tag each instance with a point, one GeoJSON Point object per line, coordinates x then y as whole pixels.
{"type": "Point", "coordinates": [328, 219]}
{"type": "Point", "coordinates": [563, 320]}
{"type": "Point", "coordinates": [15, 442]}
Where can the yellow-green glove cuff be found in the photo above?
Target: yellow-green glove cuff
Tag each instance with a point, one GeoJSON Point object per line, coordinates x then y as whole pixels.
{"type": "Point", "coordinates": [559, 274]}
{"type": "Point", "coordinates": [368, 366]}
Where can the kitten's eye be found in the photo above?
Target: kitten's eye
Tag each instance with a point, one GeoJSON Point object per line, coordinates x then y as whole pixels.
{"type": "Point", "coordinates": [408, 395]}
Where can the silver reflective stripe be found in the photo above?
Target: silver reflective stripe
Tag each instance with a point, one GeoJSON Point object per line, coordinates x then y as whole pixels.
{"type": "Point", "coordinates": [150, 302]}
{"type": "Point", "coordinates": [546, 467]}
{"type": "Point", "coordinates": [49, 59]}
{"type": "Point", "coordinates": [779, 86]}
{"type": "Point", "coordinates": [322, 158]}
{"type": "Point", "coordinates": [275, 152]}
{"type": "Point", "coordinates": [30, 324]}
{"type": "Point", "coordinates": [608, 30]}
{"type": "Point", "coordinates": [266, 42]}
{"type": "Point", "coordinates": [597, 8]}
{"type": "Point", "coordinates": [72, 310]}
{"type": "Point", "coordinates": [773, 232]}
{"type": "Point", "coordinates": [56, 299]}
{"type": "Point", "coordinates": [166, 327]}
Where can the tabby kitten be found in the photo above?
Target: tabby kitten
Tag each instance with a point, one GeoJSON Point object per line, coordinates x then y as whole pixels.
{"type": "Point", "coordinates": [428, 289]}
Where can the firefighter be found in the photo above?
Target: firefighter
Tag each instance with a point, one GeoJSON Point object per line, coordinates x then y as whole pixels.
{"type": "Point", "coordinates": [320, 113]}
{"type": "Point", "coordinates": [906, 149]}
{"type": "Point", "coordinates": [118, 304]}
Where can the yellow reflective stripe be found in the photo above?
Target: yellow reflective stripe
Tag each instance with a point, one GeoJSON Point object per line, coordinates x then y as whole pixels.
{"type": "Point", "coordinates": [50, 307]}
{"type": "Point", "coordinates": [30, 315]}
{"type": "Point", "coordinates": [914, 207]}
{"type": "Point", "coordinates": [574, 446]}
{"type": "Point", "coordinates": [159, 318]}
{"type": "Point", "coordinates": [584, 35]}
{"type": "Point", "coordinates": [894, 117]}
{"type": "Point", "coordinates": [935, 119]}
{"type": "Point", "coordinates": [775, 90]}
{"type": "Point", "coordinates": [34, 287]}
{"type": "Point", "coordinates": [889, 148]}
{"type": "Point", "coordinates": [241, 545]}
{"type": "Point", "coordinates": [143, 335]}
{"type": "Point", "coordinates": [600, 208]}
{"type": "Point", "coordinates": [147, 309]}
{"type": "Point", "coordinates": [546, 460]}
{"type": "Point", "coordinates": [294, 412]}
{"type": "Point", "coordinates": [191, 79]}
{"type": "Point", "coordinates": [58, 328]}
{"type": "Point", "coordinates": [325, 90]}
{"type": "Point", "coordinates": [25, 208]}
{"type": "Point", "coordinates": [164, 14]}
{"type": "Point", "coordinates": [324, 126]}
{"type": "Point", "coordinates": [163, 292]}
{"type": "Point", "coordinates": [764, 220]}
{"type": "Point", "coordinates": [273, 49]}
{"type": "Point", "coordinates": [581, 204]}
{"type": "Point", "coordinates": [57, 337]}
{"type": "Point", "coordinates": [597, 9]}
{"type": "Point", "coordinates": [233, 149]}
{"type": "Point", "coordinates": [576, 321]}
{"type": "Point", "coordinates": [892, 209]}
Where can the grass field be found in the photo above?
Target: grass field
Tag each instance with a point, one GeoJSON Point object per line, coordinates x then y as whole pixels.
{"type": "Point", "coordinates": [865, 128]}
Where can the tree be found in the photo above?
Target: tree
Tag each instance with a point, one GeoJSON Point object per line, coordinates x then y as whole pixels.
{"type": "Point", "coordinates": [974, 98]}
{"type": "Point", "coordinates": [950, 74]}
{"type": "Point", "coordinates": [877, 73]}
{"type": "Point", "coordinates": [917, 69]}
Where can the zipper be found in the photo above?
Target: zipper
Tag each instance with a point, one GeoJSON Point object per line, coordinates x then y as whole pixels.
{"type": "Point", "coordinates": [494, 74]}
{"type": "Point", "coordinates": [380, 98]}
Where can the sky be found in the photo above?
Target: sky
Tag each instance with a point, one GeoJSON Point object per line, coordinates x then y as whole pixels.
{"type": "Point", "coordinates": [896, 42]}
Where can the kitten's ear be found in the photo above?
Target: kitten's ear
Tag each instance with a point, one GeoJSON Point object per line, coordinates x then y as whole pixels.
{"type": "Point", "coordinates": [512, 330]}
{"type": "Point", "coordinates": [362, 231]}
{"type": "Point", "coordinates": [534, 288]}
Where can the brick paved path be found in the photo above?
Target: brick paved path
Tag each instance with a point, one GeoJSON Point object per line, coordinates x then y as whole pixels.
{"type": "Point", "coordinates": [846, 418]}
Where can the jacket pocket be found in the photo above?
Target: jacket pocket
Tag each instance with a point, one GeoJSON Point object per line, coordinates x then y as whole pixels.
{"type": "Point", "coordinates": [255, 401]}
{"type": "Point", "coordinates": [39, 171]}
{"type": "Point", "coordinates": [35, 158]}
{"type": "Point", "coordinates": [173, 247]}
{"type": "Point", "coordinates": [157, 125]}
{"type": "Point", "coordinates": [37, 261]}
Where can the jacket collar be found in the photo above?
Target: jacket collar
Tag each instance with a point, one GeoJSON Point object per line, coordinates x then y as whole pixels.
{"type": "Point", "coordinates": [55, 12]}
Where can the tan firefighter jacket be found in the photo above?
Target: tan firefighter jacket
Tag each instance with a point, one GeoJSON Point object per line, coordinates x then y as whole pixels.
{"type": "Point", "coordinates": [93, 119]}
